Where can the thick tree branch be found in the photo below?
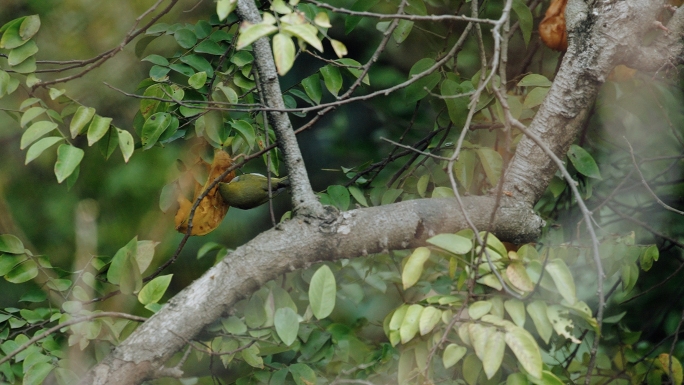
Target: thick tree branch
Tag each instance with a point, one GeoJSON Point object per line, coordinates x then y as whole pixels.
{"type": "Point", "coordinates": [294, 245]}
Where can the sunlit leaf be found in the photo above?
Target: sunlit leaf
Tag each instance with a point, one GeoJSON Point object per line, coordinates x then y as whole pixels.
{"type": "Point", "coordinates": [98, 128]}
{"type": "Point", "coordinates": [562, 277]}
{"type": "Point", "coordinates": [283, 52]}
{"type": "Point", "coordinates": [125, 143]}
{"type": "Point", "coordinates": [68, 158]}
{"type": "Point", "coordinates": [82, 116]}
{"type": "Point", "coordinates": [525, 348]}
{"type": "Point", "coordinates": [36, 131]}
{"type": "Point", "coordinates": [23, 272]}
{"type": "Point", "coordinates": [153, 128]}
{"type": "Point", "coordinates": [154, 290]}
{"type": "Point", "coordinates": [452, 242]}
{"type": "Point", "coordinates": [452, 354]}
{"type": "Point", "coordinates": [197, 80]}
{"type": "Point", "coordinates": [414, 266]}
{"type": "Point", "coordinates": [322, 292]}
{"type": "Point", "coordinates": [286, 325]}
{"type": "Point", "coordinates": [410, 323]}
{"type": "Point", "coordinates": [254, 32]}
{"type": "Point", "coordinates": [37, 148]}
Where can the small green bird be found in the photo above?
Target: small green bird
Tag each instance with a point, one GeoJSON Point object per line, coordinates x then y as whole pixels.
{"type": "Point", "coordinates": [251, 190]}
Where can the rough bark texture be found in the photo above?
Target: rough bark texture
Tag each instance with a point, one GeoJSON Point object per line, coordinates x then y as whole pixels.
{"type": "Point", "coordinates": [294, 245]}
{"type": "Point", "coordinates": [602, 35]}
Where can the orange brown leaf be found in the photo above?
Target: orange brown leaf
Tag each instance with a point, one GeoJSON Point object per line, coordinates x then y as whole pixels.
{"type": "Point", "coordinates": [212, 208]}
{"type": "Point", "coordinates": [552, 29]}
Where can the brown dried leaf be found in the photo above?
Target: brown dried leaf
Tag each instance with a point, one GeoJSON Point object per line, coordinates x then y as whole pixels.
{"type": "Point", "coordinates": [212, 208]}
{"type": "Point", "coordinates": [552, 29]}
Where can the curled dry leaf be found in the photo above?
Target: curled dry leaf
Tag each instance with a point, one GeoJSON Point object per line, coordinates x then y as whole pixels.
{"type": "Point", "coordinates": [212, 208]}
{"type": "Point", "coordinates": [552, 29]}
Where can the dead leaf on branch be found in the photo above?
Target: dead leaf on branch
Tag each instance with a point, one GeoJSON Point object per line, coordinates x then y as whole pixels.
{"type": "Point", "coordinates": [552, 29]}
{"type": "Point", "coordinates": [212, 208]}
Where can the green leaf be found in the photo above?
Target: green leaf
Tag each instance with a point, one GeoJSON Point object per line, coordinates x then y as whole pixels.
{"type": "Point", "coordinates": [534, 80]}
{"type": "Point", "coordinates": [516, 310]}
{"type": "Point", "coordinates": [29, 27]}
{"type": "Point", "coordinates": [420, 88]}
{"type": "Point", "coordinates": [339, 197]}
{"type": "Point", "coordinates": [199, 63]}
{"type": "Point", "coordinates": [30, 114]}
{"type": "Point", "coordinates": [185, 38]}
{"type": "Point", "coordinates": [478, 309]}
{"type": "Point", "coordinates": [492, 164]}
{"type": "Point", "coordinates": [286, 324]}
{"type": "Point", "coordinates": [402, 31]}
{"type": "Point", "coordinates": [37, 148]}
{"type": "Point", "coordinates": [493, 354]}
{"type": "Point", "coordinates": [125, 143]}
{"type": "Point", "coordinates": [8, 261]}
{"type": "Point", "coordinates": [390, 196]}
{"type": "Point", "coordinates": [456, 106]}
{"type": "Point", "coordinates": [246, 131]}
{"type": "Point", "coordinates": [23, 272]}
{"type": "Point", "coordinates": [98, 128]}
{"type": "Point", "coordinates": [358, 195]}
{"type": "Point", "coordinates": [535, 97]}
{"type": "Point", "coordinates": [253, 33]}
{"type": "Point", "coordinates": [210, 47]}
{"type": "Point", "coordinates": [36, 131]}
{"type": "Point", "coordinates": [21, 53]}
{"type": "Point", "coordinates": [117, 269]}
{"type": "Point", "coordinates": [154, 126]}
{"type": "Point", "coordinates": [80, 119]}
{"type": "Point", "coordinates": [429, 318]}
{"type": "Point", "coordinates": [649, 255]}
{"type": "Point", "coordinates": [283, 52]}
{"type": "Point", "coordinates": [410, 323]}
{"type": "Point", "coordinates": [332, 78]}
{"type": "Point", "coordinates": [37, 373]}
{"type": "Point", "coordinates": [525, 19]}
{"type": "Point", "coordinates": [109, 142]}
{"type": "Point", "coordinates": [213, 125]}
{"type": "Point", "coordinates": [306, 32]}
{"type": "Point", "coordinates": [525, 348]}
{"type": "Point", "coordinates": [414, 266]}
{"type": "Point", "coordinates": [452, 354]}
{"type": "Point", "coordinates": [583, 162]}
{"type": "Point", "coordinates": [68, 158]}
{"type": "Point", "coordinates": [154, 290]}
{"type": "Point", "coordinates": [538, 314]}
{"type": "Point", "coordinates": [356, 72]}
{"type": "Point", "coordinates": [11, 37]}
{"type": "Point", "coordinates": [451, 242]}
{"type": "Point", "coordinates": [322, 290]}
{"type": "Point", "coordinates": [517, 274]}
{"type": "Point", "coordinates": [159, 73]}
{"type": "Point", "coordinates": [156, 59]}
{"type": "Point", "coordinates": [11, 244]}
{"type": "Point", "coordinates": [562, 277]}
{"type": "Point", "coordinates": [197, 80]}
{"type": "Point", "coordinates": [225, 8]}
{"type": "Point", "coordinates": [252, 358]}
{"type": "Point", "coordinates": [303, 374]}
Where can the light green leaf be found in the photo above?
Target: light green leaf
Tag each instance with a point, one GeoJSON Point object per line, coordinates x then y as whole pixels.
{"type": "Point", "coordinates": [537, 311]}
{"type": "Point", "coordinates": [420, 88]}
{"type": "Point", "coordinates": [358, 195]}
{"type": "Point", "coordinates": [252, 358]}
{"type": "Point", "coordinates": [30, 114]}
{"type": "Point", "coordinates": [402, 31]}
{"type": "Point", "coordinates": [283, 52]}
{"type": "Point", "coordinates": [37, 148]}
{"type": "Point", "coordinates": [253, 33]}
{"type": "Point", "coordinates": [535, 97]}
{"type": "Point", "coordinates": [390, 196]}
{"type": "Point", "coordinates": [452, 354]}
{"type": "Point", "coordinates": [410, 323]}
{"type": "Point", "coordinates": [534, 80]}
{"type": "Point", "coordinates": [8, 261]}
{"type": "Point", "coordinates": [98, 128]}
{"type": "Point", "coordinates": [225, 8]}
{"type": "Point", "coordinates": [479, 334]}
{"type": "Point", "coordinates": [286, 325]}
{"type": "Point", "coordinates": [322, 292]}
{"type": "Point", "coordinates": [561, 322]}
{"type": "Point", "coordinates": [414, 266]}
{"type": "Point", "coordinates": [306, 32]}
{"type": "Point", "coordinates": [429, 319]}
{"type": "Point", "coordinates": [583, 162]}
{"type": "Point", "coordinates": [312, 87]}
{"type": "Point", "coordinates": [562, 277]}
{"type": "Point", "coordinates": [452, 243]}
{"type": "Point", "coordinates": [21, 53]}
{"type": "Point", "coordinates": [36, 131]}
{"type": "Point", "coordinates": [197, 80]}
{"type": "Point", "coordinates": [303, 374]}
{"type": "Point", "coordinates": [125, 143]}
{"type": "Point", "coordinates": [29, 27]}
{"type": "Point", "coordinates": [332, 78]}
{"type": "Point", "coordinates": [517, 274]}
{"type": "Point", "coordinates": [516, 310]}
{"type": "Point", "coordinates": [339, 48]}
{"type": "Point", "coordinates": [80, 119]}
{"type": "Point", "coordinates": [154, 290]}
{"type": "Point", "coordinates": [68, 158]}
{"type": "Point", "coordinates": [525, 348]}
{"type": "Point", "coordinates": [213, 125]}
{"type": "Point", "coordinates": [37, 373]}
{"type": "Point", "coordinates": [649, 255]}
{"type": "Point", "coordinates": [493, 354]}
{"type": "Point", "coordinates": [492, 164]}
{"type": "Point", "coordinates": [116, 269]}
{"type": "Point", "coordinates": [477, 309]}
{"type": "Point", "coordinates": [339, 197]}
{"type": "Point", "coordinates": [23, 272]}
{"type": "Point", "coordinates": [11, 244]}
{"type": "Point", "coordinates": [11, 37]}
